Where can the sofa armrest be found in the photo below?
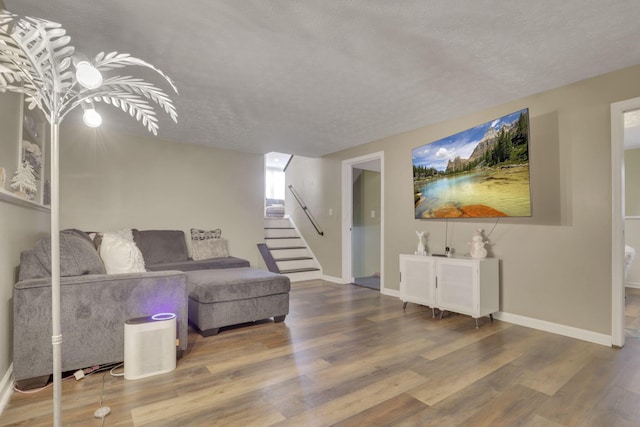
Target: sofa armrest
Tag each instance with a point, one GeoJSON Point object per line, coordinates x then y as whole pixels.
{"type": "Point", "coordinates": [93, 311]}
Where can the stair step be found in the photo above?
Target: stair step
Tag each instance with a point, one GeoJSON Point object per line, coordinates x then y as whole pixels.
{"type": "Point", "coordinates": [297, 258]}
{"type": "Point", "coordinates": [293, 258]}
{"type": "Point", "coordinates": [277, 222]}
{"type": "Point", "coordinates": [282, 242]}
{"type": "Point", "coordinates": [291, 253]}
{"type": "Point", "coordinates": [305, 275]}
{"type": "Point", "coordinates": [299, 270]}
{"type": "Point", "coordinates": [296, 264]}
{"type": "Point", "coordinates": [280, 232]}
{"type": "Point", "coordinates": [287, 247]}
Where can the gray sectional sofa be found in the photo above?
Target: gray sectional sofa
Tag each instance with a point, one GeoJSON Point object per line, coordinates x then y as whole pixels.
{"type": "Point", "coordinates": [95, 305]}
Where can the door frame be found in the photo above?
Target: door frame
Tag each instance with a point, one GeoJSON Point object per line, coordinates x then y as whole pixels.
{"type": "Point", "coordinates": [347, 214]}
{"type": "Point", "coordinates": [617, 218]}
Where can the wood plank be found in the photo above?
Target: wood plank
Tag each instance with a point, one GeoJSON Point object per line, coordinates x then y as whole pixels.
{"type": "Point", "coordinates": [357, 401]}
{"type": "Point", "coordinates": [555, 368]}
{"type": "Point", "coordinates": [459, 341]}
{"type": "Point", "coordinates": [452, 376]}
{"type": "Point", "coordinates": [511, 407]}
{"type": "Point", "coordinates": [212, 395]}
{"type": "Point", "coordinates": [387, 413]}
{"type": "Point", "coordinates": [272, 353]}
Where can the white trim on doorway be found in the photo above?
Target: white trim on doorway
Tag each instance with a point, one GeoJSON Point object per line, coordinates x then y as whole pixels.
{"type": "Point", "coordinates": [617, 217]}
{"type": "Point", "coordinates": [347, 213]}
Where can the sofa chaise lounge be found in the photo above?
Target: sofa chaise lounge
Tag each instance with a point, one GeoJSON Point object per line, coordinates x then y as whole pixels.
{"type": "Point", "coordinates": [222, 291]}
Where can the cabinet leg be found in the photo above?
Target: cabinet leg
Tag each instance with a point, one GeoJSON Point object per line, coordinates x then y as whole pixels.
{"type": "Point", "coordinates": [491, 317]}
{"type": "Point", "coordinates": [477, 327]}
{"type": "Point", "coordinates": [404, 306]}
{"type": "Point", "coordinates": [433, 313]}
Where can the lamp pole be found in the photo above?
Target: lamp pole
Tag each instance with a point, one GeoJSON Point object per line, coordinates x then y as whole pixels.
{"type": "Point", "coordinates": [56, 322]}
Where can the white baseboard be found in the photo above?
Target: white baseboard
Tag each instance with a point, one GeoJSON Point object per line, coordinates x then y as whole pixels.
{"type": "Point", "coordinates": [555, 328]}
{"type": "Point", "coordinates": [632, 285]}
{"type": "Point", "coordinates": [6, 388]}
{"type": "Point", "coordinates": [333, 279]}
{"type": "Point", "coordinates": [390, 292]}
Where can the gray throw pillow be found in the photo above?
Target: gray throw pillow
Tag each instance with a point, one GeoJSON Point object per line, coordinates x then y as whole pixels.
{"type": "Point", "coordinates": [31, 267]}
{"type": "Point", "coordinates": [161, 246]}
{"type": "Point", "coordinates": [78, 256]}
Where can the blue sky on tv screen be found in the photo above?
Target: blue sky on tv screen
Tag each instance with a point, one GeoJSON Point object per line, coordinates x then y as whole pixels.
{"type": "Point", "coordinates": [437, 154]}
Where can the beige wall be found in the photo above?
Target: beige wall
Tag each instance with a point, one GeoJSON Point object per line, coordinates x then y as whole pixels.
{"type": "Point", "coordinates": [110, 181]}
{"type": "Point", "coordinates": [555, 266]}
{"type": "Point", "coordinates": [9, 134]}
{"type": "Point", "coordinates": [20, 228]}
{"type": "Point", "coordinates": [318, 183]}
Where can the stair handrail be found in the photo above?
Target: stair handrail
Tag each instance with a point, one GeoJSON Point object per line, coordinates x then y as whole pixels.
{"type": "Point", "coordinates": [306, 210]}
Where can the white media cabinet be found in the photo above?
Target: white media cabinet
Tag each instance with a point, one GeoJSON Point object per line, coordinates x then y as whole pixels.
{"type": "Point", "coordinates": [458, 284]}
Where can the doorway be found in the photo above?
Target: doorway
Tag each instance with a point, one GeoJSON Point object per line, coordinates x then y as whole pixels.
{"type": "Point", "coordinates": [363, 221]}
{"type": "Point", "coordinates": [620, 131]}
{"type": "Point", "coordinates": [365, 235]}
{"type": "Point", "coordinates": [275, 165]}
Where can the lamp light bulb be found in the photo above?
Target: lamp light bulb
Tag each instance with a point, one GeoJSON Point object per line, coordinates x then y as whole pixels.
{"type": "Point", "coordinates": [88, 75]}
{"type": "Point", "coordinates": [91, 118]}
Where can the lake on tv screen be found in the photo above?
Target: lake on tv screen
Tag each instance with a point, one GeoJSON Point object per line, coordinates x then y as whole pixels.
{"type": "Point", "coordinates": [480, 193]}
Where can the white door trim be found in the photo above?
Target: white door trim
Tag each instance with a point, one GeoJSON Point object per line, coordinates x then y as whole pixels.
{"type": "Point", "coordinates": [347, 213]}
{"type": "Point", "coordinates": [617, 217]}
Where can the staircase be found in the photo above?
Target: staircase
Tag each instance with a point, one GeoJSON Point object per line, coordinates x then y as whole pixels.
{"type": "Point", "coordinates": [286, 252]}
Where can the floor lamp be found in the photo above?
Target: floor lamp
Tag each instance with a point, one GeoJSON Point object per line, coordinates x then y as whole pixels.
{"type": "Point", "coordinates": [37, 60]}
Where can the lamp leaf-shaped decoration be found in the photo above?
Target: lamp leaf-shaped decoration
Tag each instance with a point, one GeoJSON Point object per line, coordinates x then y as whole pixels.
{"type": "Point", "coordinates": [37, 60]}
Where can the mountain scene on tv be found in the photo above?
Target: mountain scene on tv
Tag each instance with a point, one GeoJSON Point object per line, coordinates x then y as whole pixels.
{"type": "Point", "coordinates": [478, 173]}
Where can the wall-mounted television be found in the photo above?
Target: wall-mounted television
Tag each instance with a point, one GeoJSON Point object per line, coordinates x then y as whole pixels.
{"type": "Point", "coordinates": [481, 172]}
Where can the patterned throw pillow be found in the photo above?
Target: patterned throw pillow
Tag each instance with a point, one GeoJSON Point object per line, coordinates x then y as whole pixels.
{"type": "Point", "coordinates": [205, 234]}
{"type": "Point", "coordinates": [207, 249]}
{"type": "Point", "coordinates": [207, 244]}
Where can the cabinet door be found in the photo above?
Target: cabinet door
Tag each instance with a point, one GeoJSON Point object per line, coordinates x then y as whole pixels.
{"type": "Point", "coordinates": [417, 279]}
{"type": "Point", "coordinates": [456, 286]}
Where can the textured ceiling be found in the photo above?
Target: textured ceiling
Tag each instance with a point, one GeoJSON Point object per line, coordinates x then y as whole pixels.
{"type": "Point", "coordinates": [312, 77]}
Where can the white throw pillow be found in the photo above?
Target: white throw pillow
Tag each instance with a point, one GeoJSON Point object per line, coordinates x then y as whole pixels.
{"type": "Point", "coordinates": [125, 234]}
{"type": "Point", "coordinates": [120, 255]}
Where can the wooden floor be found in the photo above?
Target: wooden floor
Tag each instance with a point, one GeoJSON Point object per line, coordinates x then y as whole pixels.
{"type": "Point", "coordinates": [348, 356]}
